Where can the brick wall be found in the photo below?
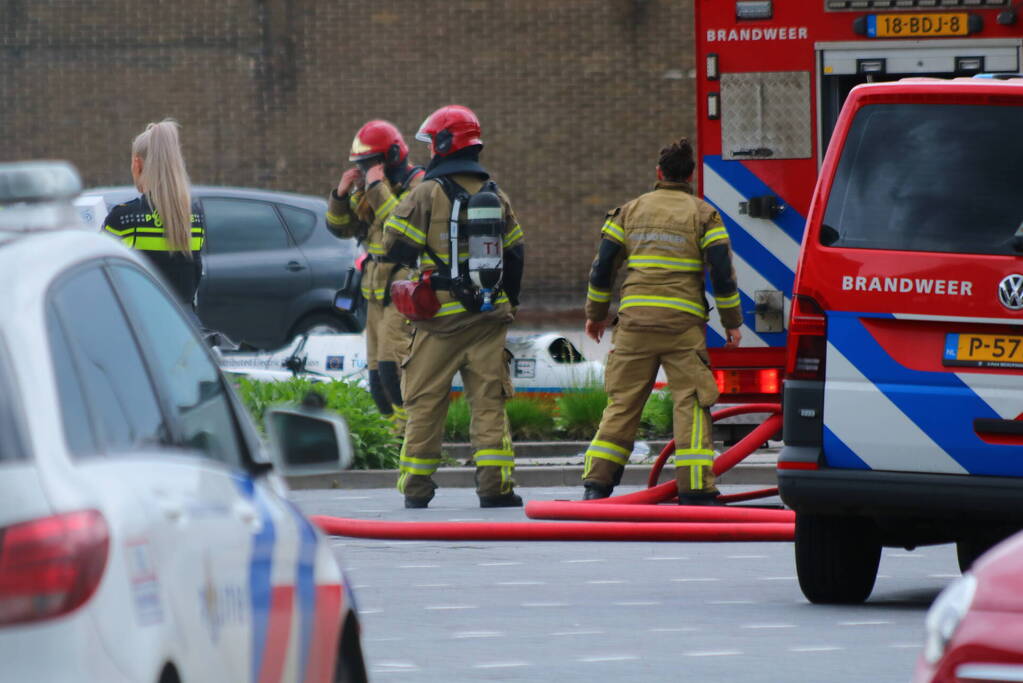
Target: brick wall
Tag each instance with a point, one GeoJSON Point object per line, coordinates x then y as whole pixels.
{"type": "Point", "coordinates": [575, 97]}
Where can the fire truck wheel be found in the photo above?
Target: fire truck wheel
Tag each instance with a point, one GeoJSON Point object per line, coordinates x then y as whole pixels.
{"type": "Point", "coordinates": [836, 558]}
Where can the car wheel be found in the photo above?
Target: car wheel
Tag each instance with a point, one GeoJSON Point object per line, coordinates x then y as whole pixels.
{"type": "Point", "coordinates": [969, 548]}
{"type": "Point", "coordinates": [351, 667]}
{"type": "Point", "coordinates": [836, 558]}
{"type": "Point", "coordinates": [321, 323]}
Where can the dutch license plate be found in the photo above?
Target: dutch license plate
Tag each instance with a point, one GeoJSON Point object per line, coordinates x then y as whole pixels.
{"type": "Point", "coordinates": [917, 25]}
{"type": "Point", "coordinates": [984, 350]}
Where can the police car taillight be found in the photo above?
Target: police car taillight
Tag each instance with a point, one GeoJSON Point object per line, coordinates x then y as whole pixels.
{"type": "Point", "coordinates": [51, 566]}
{"type": "Point", "coordinates": [808, 343]}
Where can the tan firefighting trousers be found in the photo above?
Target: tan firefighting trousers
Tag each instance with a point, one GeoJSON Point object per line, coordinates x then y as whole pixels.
{"type": "Point", "coordinates": [388, 338]}
{"type": "Point", "coordinates": [477, 352]}
{"type": "Point", "coordinates": [628, 379]}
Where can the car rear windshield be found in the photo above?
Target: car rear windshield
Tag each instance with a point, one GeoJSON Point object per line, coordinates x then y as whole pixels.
{"type": "Point", "coordinates": [11, 445]}
{"type": "Point", "coordinates": [929, 177]}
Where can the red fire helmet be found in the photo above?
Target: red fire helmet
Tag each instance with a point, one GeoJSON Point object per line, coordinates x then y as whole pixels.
{"type": "Point", "coordinates": [382, 138]}
{"type": "Point", "coordinates": [450, 129]}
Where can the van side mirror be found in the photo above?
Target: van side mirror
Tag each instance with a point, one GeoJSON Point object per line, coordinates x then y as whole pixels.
{"type": "Point", "coordinates": [308, 440]}
{"type": "Point", "coordinates": [828, 235]}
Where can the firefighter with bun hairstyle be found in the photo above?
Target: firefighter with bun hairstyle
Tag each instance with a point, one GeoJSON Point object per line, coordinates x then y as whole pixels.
{"type": "Point", "coordinates": [358, 207]}
{"type": "Point", "coordinates": [667, 239]}
{"type": "Point", "coordinates": [461, 230]}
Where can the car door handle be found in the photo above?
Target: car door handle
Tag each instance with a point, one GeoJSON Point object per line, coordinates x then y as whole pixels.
{"type": "Point", "coordinates": [247, 515]}
{"type": "Point", "coordinates": [294, 266]}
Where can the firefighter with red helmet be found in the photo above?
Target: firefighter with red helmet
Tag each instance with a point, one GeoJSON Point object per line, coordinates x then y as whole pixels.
{"type": "Point", "coordinates": [667, 239]}
{"type": "Point", "coordinates": [461, 229]}
{"type": "Point", "coordinates": [358, 207]}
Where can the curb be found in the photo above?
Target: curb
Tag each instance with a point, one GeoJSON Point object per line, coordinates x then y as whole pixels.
{"type": "Point", "coordinates": [529, 475]}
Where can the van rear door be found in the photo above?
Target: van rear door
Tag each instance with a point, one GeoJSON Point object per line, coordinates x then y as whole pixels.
{"type": "Point", "coordinates": [917, 264]}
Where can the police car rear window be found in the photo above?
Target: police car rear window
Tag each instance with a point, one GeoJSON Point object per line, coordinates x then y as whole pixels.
{"type": "Point", "coordinates": [928, 177]}
{"type": "Point", "coordinates": [11, 445]}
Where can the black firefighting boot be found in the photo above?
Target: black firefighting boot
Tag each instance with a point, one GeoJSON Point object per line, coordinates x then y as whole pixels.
{"type": "Point", "coordinates": [593, 490]}
{"type": "Point", "coordinates": [416, 503]}
{"type": "Point", "coordinates": [503, 500]}
{"type": "Point", "coordinates": [699, 498]}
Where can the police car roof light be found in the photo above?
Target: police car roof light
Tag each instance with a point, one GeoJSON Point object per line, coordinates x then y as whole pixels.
{"type": "Point", "coordinates": [38, 181]}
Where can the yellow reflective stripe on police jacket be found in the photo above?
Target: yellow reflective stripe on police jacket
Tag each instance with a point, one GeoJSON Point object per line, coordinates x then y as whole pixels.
{"type": "Point", "coordinates": [713, 235]}
{"type": "Point", "coordinates": [453, 307]}
{"type": "Point", "coordinates": [601, 296]}
{"type": "Point", "coordinates": [613, 231]}
{"type": "Point", "coordinates": [684, 305]}
{"type": "Point", "coordinates": [513, 237]}
{"type": "Point", "coordinates": [403, 227]}
{"type": "Point", "coordinates": [145, 243]}
{"type": "Point", "coordinates": [727, 301]}
{"type": "Point", "coordinates": [608, 451]}
{"type": "Point", "coordinates": [690, 265]}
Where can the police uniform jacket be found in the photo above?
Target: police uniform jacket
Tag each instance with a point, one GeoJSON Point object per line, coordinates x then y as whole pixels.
{"type": "Point", "coordinates": [667, 240]}
{"type": "Point", "coordinates": [140, 227]}
{"type": "Point", "coordinates": [423, 218]}
{"type": "Point", "coordinates": [362, 215]}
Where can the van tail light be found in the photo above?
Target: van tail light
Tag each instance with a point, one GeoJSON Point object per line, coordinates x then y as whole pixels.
{"type": "Point", "coordinates": [748, 381]}
{"type": "Point", "coordinates": [808, 341]}
{"type": "Point", "coordinates": [51, 566]}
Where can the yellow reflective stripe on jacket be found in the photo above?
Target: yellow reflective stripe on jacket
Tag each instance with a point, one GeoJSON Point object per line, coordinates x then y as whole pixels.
{"type": "Point", "coordinates": [608, 451]}
{"type": "Point", "coordinates": [684, 305]}
{"type": "Point", "coordinates": [453, 307]}
{"type": "Point", "coordinates": [494, 457]}
{"type": "Point", "coordinates": [119, 233]}
{"type": "Point", "coordinates": [613, 230]}
{"type": "Point", "coordinates": [727, 301]}
{"type": "Point", "coordinates": [690, 265]}
{"type": "Point", "coordinates": [387, 206]}
{"type": "Point", "coordinates": [353, 200]}
{"type": "Point", "coordinates": [403, 227]}
{"type": "Point", "coordinates": [373, 293]}
{"type": "Point", "coordinates": [338, 219]}
{"type": "Point", "coordinates": [713, 235]}
{"type": "Point", "coordinates": [513, 237]}
{"type": "Point", "coordinates": [143, 243]}
{"type": "Point", "coordinates": [375, 248]}
{"type": "Point", "coordinates": [599, 295]}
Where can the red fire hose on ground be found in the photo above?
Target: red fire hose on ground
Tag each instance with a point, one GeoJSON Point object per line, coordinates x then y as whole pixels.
{"type": "Point", "coordinates": [631, 517]}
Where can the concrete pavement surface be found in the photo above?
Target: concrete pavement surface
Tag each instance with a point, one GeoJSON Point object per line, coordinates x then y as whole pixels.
{"type": "Point", "coordinates": [582, 611]}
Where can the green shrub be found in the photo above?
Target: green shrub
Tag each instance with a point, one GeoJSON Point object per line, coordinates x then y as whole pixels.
{"type": "Point", "coordinates": [579, 411]}
{"type": "Point", "coordinates": [657, 415]}
{"type": "Point", "coordinates": [375, 446]}
{"type": "Point", "coordinates": [456, 426]}
{"type": "Point", "coordinates": [531, 419]}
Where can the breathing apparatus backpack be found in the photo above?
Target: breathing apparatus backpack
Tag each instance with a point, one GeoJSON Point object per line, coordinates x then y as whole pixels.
{"type": "Point", "coordinates": [476, 282]}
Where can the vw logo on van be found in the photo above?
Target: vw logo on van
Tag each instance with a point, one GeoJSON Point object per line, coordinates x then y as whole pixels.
{"type": "Point", "coordinates": [1010, 291]}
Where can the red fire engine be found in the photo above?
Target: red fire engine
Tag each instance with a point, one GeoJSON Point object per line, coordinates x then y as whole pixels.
{"type": "Point", "coordinates": [771, 78]}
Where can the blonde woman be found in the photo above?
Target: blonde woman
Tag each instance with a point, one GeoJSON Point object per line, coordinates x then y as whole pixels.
{"type": "Point", "coordinates": [162, 222]}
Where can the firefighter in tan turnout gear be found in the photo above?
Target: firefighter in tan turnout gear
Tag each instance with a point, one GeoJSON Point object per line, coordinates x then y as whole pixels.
{"type": "Point", "coordinates": [476, 284]}
{"type": "Point", "coordinates": [666, 239]}
{"type": "Point", "coordinates": [358, 207]}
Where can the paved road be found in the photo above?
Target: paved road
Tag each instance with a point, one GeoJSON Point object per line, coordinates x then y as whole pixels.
{"type": "Point", "coordinates": [477, 611]}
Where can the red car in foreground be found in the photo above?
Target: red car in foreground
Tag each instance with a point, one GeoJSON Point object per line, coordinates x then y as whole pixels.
{"type": "Point", "coordinates": [975, 627]}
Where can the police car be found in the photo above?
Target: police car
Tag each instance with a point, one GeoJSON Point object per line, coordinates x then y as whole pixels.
{"type": "Point", "coordinates": [903, 399]}
{"type": "Point", "coordinates": [144, 533]}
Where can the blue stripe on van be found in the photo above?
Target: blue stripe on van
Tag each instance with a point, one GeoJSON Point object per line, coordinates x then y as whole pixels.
{"type": "Point", "coordinates": [840, 455]}
{"type": "Point", "coordinates": [260, 569]}
{"type": "Point", "coordinates": [939, 403]}
{"type": "Point", "coordinates": [749, 185]}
